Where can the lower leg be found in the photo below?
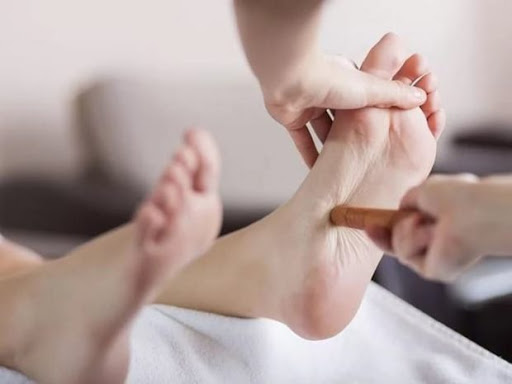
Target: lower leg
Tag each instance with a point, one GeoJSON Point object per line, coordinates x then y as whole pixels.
{"type": "Point", "coordinates": [231, 271]}
{"type": "Point", "coordinates": [75, 313]}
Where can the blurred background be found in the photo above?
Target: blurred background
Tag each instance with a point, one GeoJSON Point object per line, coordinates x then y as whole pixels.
{"type": "Point", "coordinates": [94, 96]}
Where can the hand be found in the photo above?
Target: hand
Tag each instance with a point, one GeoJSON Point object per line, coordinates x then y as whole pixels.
{"type": "Point", "coordinates": [299, 82]}
{"type": "Point", "coordinates": [460, 220]}
{"type": "Point", "coordinates": [331, 82]}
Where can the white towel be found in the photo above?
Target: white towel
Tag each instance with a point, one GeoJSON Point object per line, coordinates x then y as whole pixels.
{"type": "Point", "coordinates": [388, 342]}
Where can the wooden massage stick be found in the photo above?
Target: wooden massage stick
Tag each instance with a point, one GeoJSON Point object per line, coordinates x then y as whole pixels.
{"type": "Point", "coordinates": [362, 218]}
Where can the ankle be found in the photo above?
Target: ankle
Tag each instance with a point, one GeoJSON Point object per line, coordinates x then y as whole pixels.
{"type": "Point", "coordinates": [348, 168]}
{"type": "Point", "coordinates": [262, 271]}
{"type": "Point", "coordinates": [346, 264]}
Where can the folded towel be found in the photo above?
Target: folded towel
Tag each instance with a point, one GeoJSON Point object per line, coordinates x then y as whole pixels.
{"type": "Point", "coordinates": [388, 342]}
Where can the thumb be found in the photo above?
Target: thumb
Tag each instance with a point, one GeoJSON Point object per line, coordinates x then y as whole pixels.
{"type": "Point", "coordinates": [349, 88]}
{"type": "Point", "coordinates": [387, 93]}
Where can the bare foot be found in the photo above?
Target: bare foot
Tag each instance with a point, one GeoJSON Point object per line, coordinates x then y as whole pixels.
{"type": "Point", "coordinates": [68, 321]}
{"type": "Point", "coordinates": [371, 158]}
{"type": "Point", "coordinates": [183, 215]}
{"type": "Point", "coordinates": [297, 268]}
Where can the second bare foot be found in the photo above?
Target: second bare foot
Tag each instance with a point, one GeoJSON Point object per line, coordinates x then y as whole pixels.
{"type": "Point", "coordinates": [371, 158]}
{"type": "Point", "coordinates": [68, 321]}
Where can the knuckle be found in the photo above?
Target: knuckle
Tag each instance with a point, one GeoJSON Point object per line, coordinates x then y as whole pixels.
{"type": "Point", "coordinates": [288, 96]}
{"type": "Point", "coordinates": [400, 88]}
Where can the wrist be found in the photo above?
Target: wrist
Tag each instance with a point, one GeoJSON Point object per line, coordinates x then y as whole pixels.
{"type": "Point", "coordinates": [293, 86]}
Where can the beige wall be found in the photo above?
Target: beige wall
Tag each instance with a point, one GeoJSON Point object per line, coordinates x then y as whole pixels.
{"type": "Point", "coordinates": [49, 48]}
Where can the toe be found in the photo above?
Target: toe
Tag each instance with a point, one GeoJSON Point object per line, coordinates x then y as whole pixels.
{"type": "Point", "coordinates": [432, 105]}
{"type": "Point", "coordinates": [414, 68]}
{"type": "Point", "coordinates": [437, 123]}
{"type": "Point", "coordinates": [386, 57]}
{"type": "Point", "coordinates": [149, 222]}
{"type": "Point", "coordinates": [177, 174]}
{"type": "Point", "coordinates": [168, 198]}
{"type": "Point", "coordinates": [207, 175]}
{"type": "Point", "coordinates": [428, 83]}
{"type": "Point", "coordinates": [187, 157]}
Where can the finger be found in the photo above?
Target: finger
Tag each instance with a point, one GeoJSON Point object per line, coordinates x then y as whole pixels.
{"type": "Point", "coordinates": [381, 237]}
{"type": "Point", "coordinates": [496, 179]}
{"type": "Point", "coordinates": [322, 126]}
{"type": "Point", "coordinates": [447, 256]}
{"type": "Point", "coordinates": [447, 181]}
{"type": "Point", "coordinates": [410, 199]}
{"type": "Point", "coordinates": [355, 89]}
{"type": "Point", "coordinates": [386, 94]}
{"type": "Point", "coordinates": [411, 239]}
{"type": "Point", "coordinates": [383, 62]}
{"type": "Point", "coordinates": [439, 193]}
{"type": "Point", "coordinates": [305, 144]}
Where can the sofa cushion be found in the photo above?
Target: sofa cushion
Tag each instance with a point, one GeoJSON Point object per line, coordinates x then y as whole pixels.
{"type": "Point", "coordinates": [134, 125]}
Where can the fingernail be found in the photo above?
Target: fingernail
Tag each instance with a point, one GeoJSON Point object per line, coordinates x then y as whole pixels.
{"type": "Point", "coordinates": [418, 93]}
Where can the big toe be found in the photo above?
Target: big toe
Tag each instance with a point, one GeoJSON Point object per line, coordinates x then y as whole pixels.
{"type": "Point", "coordinates": [206, 177]}
{"type": "Point", "coordinates": [386, 58]}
